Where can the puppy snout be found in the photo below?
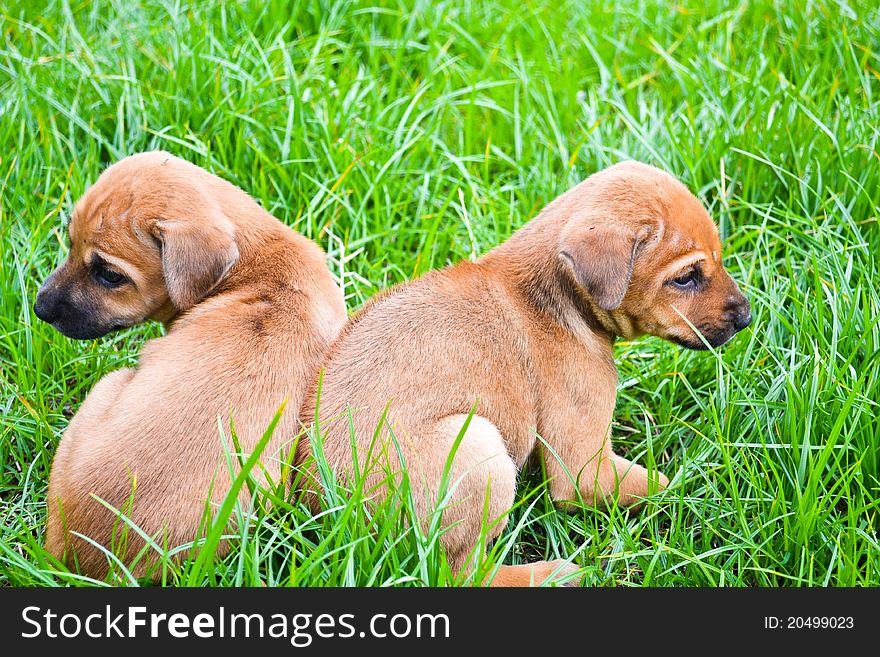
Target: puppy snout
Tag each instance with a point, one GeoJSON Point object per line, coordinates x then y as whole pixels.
{"type": "Point", "coordinates": [739, 310]}
{"type": "Point", "coordinates": [742, 319]}
{"type": "Point", "coordinates": [45, 307]}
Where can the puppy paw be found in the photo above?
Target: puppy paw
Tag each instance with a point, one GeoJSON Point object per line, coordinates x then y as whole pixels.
{"type": "Point", "coordinates": [656, 483]}
{"type": "Point", "coordinates": [540, 573]}
{"type": "Point", "coordinates": [662, 481]}
{"type": "Point", "coordinates": [555, 573]}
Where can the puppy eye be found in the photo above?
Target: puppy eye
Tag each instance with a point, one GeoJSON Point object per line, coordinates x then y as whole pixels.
{"type": "Point", "coordinates": [108, 277]}
{"type": "Point", "coordinates": [685, 281]}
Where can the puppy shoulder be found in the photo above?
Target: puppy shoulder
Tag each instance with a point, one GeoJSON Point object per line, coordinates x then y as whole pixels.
{"type": "Point", "coordinates": [84, 431]}
{"type": "Point", "coordinates": [379, 303]}
{"type": "Point", "coordinates": [103, 396]}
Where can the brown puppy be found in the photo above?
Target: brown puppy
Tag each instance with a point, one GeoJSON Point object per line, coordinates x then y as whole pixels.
{"type": "Point", "coordinates": [250, 308]}
{"type": "Point", "coordinates": [526, 333]}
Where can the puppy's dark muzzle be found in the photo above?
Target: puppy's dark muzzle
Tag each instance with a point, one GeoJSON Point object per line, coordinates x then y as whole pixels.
{"type": "Point", "coordinates": [44, 309]}
{"type": "Point", "coordinates": [77, 320]}
{"type": "Point", "coordinates": [736, 315]}
{"type": "Point", "coordinates": [738, 311]}
{"type": "Point", "coordinates": [742, 320]}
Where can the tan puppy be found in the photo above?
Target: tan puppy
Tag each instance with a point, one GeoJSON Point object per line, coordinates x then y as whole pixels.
{"type": "Point", "coordinates": [526, 333]}
{"type": "Point", "coordinates": [250, 308]}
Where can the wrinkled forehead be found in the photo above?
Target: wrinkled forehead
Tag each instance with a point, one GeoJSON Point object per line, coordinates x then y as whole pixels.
{"type": "Point", "coordinates": [690, 229]}
{"type": "Point", "coordinates": [102, 219]}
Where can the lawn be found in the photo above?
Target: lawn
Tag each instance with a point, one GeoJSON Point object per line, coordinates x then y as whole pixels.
{"type": "Point", "coordinates": [405, 136]}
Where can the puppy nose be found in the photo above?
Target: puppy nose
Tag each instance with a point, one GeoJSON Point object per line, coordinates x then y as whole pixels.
{"type": "Point", "coordinates": [742, 319]}
{"type": "Point", "coordinates": [44, 309]}
{"type": "Point", "coordinates": [740, 310]}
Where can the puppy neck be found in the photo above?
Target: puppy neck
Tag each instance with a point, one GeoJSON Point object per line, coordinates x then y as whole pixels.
{"type": "Point", "coordinates": [530, 267]}
{"type": "Point", "coordinates": [616, 323]}
{"type": "Point", "coordinates": [166, 315]}
{"type": "Point", "coordinates": [270, 253]}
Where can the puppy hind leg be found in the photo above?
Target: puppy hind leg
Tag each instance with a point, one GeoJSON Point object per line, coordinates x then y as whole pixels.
{"type": "Point", "coordinates": [480, 490]}
{"type": "Point", "coordinates": [65, 506]}
{"type": "Point", "coordinates": [479, 486]}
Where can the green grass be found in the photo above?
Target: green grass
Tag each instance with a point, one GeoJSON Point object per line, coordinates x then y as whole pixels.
{"type": "Point", "coordinates": [406, 136]}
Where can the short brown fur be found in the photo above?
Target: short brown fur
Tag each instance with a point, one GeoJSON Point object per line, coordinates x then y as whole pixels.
{"type": "Point", "coordinates": [250, 308]}
{"type": "Point", "coordinates": [526, 333]}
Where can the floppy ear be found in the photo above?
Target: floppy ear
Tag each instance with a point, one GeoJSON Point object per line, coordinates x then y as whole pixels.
{"type": "Point", "coordinates": [601, 259]}
{"type": "Point", "coordinates": [196, 256]}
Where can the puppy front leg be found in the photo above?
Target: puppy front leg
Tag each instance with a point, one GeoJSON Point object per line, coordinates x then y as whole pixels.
{"type": "Point", "coordinates": [635, 481]}
{"type": "Point", "coordinates": [584, 465]}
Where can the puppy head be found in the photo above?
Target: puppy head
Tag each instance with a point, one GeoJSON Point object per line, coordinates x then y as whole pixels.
{"type": "Point", "coordinates": [647, 255]}
{"type": "Point", "coordinates": [147, 241]}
